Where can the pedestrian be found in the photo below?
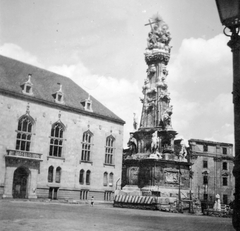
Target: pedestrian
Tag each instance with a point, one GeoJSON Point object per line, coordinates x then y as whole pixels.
{"type": "Point", "coordinates": [92, 201]}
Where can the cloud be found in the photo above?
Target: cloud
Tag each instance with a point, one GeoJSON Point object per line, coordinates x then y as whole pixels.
{"type": "Point", "coordinates": [16, 52]}
{"type": "Point", "coordinates": [224, 133]}
{"type": "Point", "coordinates": [200, 82]}
{"type": "Point", "coordinates": [119, 95]}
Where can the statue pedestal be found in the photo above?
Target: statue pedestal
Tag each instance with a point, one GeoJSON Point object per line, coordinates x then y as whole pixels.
{"type": "Point", "coordinates": [132, 190]}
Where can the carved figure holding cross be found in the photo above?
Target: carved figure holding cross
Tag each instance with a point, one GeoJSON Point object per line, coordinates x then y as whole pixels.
{"type": "Point", "coordinates": [159, 35]}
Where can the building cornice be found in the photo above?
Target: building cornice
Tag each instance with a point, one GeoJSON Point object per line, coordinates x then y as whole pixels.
{"type": "Point", "coordinates": [214, 143]}
{"type": "Point", "coordinates": [212, 155]}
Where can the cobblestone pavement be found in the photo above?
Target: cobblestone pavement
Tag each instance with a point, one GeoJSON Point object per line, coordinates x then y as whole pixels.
{"type": "Point", "coordinates": [39, 216]}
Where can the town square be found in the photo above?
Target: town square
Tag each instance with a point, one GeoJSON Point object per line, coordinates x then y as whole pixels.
{"type": "Point", "coordinates": [120, 115]}
{"type": "Point", "coordinates": [37, 216]}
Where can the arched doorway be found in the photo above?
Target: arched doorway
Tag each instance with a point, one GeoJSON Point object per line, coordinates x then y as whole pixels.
{"type": "Point", "coordinates": [20, 182]}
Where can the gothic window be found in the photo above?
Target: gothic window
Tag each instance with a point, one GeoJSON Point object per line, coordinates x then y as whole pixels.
{"type": "Point", "coordinates": [86, 146]}
{"type": "Point", "coordinates": [205, 164]}
{"type": "Point", "coordinates": [111, 179]}
{"type": "Point", "coordinates": [224, 166]}
{"type": "Point", "coordinates": [88, 173]}
{"type": "Point", "coordinates": [24, 133]}
{"type": "Point", "coordinates": [50, 174]}
{"type": "Point", "coordinates": [81, 177]}
{"type": "Point", "coordinates": [225, 181]}
{"type": "Point", "coordinates": [109, 150]}
{"type": "Point", "coordinates": [105, 179]}
{"type": "Point", "coordinates": [56, 141]}
{"type": "Point", "coordinates": [58, 175]}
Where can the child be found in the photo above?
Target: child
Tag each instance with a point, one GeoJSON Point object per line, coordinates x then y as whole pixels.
{"type": "Point", "coordinates": [92, 200]}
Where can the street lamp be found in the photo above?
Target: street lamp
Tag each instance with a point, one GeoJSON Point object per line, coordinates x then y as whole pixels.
{"type": "Point", "coordinates": [229, 12]}
{"type": "Point", "coordinates": [205, 188]}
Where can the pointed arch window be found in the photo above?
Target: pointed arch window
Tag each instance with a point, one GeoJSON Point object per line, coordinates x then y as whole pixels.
{"type": "Point", "coordinates": [50, 174]}
{"type": "Point", "coordinates": [24, 133]}
{"type": "Point", "coordinates": [81, 177]}
{"type": "Point", "coordinates": [111, 179]}
{"type": "Point", "coordinates": [86, 146]}
{"type": "Point", "coordinates": [88, 173]}
{"type": "Point", "coordinates": [109, 150]}
{"type": "Point", "coordinates": [56, 140]}
{"type": "Point", "coordinates": [58, 175]}
{"type": "Point", "coordinates": [105, 179]}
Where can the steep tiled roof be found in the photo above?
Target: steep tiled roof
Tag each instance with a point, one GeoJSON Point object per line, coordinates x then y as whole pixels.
{"type": "Point", "coordinates": [14, 73]}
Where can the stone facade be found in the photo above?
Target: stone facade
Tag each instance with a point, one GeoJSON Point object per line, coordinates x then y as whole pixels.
{"type": "Point", "coordinates": [25, 172]}
{"type": "Point", "coordinates": [212, 170]}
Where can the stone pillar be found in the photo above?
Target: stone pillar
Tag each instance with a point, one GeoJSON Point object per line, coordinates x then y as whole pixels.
{"type": "Point", "coordinates": [234, 44]}
{"type": "Point", "coordinates": [32, 189]}
{"type": "Point", "coordinates": [8, 183]}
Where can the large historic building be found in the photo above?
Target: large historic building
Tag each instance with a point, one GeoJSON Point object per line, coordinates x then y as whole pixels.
{"type": "Point", "coordinates": [212, 170]}
{"type": "Point", "coordinates": [56, 140]}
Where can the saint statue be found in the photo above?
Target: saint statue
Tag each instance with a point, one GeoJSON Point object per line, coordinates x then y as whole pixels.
{"type": "Point", "coordinates": [155, 142]}
{"type": "Point", "coordinates": [217, 204]}
{"type": "Point", "coordinates": [132, 144]}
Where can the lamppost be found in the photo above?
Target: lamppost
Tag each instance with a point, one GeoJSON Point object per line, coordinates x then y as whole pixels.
{"type": "Point", "coordinates": [205, 188]}
{"type": "Point", "coordinates": [229, 12]}
{"type": "Point", "coordinates": [180, 208]}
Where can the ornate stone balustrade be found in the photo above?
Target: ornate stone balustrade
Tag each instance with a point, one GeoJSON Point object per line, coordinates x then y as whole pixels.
{"type": "Point", "coordinates": [23, 154]}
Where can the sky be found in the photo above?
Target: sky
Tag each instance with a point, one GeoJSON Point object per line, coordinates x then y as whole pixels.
{"type": "Point", "coordinates": [100, 45]}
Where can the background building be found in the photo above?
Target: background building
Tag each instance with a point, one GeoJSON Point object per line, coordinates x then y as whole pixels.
{"type": "Point", "coordinates": [55, 140]}
{"type": "Point", "coordinates": [212, 170]}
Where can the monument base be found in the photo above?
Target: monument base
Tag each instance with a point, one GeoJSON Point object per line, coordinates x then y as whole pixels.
{"type": "Point", "coordinates": [132, 190]}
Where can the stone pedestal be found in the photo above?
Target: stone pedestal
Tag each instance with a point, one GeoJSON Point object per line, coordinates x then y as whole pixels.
{"type": "Point", "coordinates": [33, 184]}
{"type": "Point", "coordinates": [132, 190]}
{"type": "Point", "coordinates": [8, 183]}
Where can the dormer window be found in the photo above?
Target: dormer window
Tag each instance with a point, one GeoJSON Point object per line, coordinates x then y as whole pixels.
{"type": "Point", "coordinates": [28, 89]}
{"type": "Point", "coordinates": [87, 104]}
{"type": "Point", "coordinates": [27, 86]}
{"type": "Point", "coordinates": [58, 96]}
